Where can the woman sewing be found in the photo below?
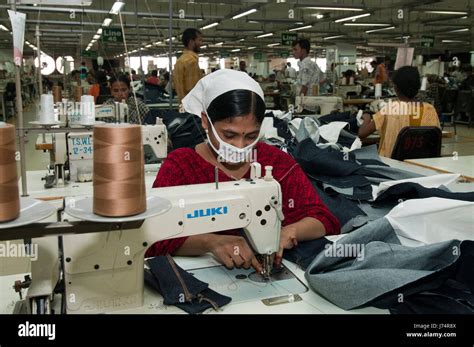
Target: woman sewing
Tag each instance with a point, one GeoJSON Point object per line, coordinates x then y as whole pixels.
{"type": "Point", "coordinates": [120, 90]}
{"type": "Point", "coordinates": [231, 106]}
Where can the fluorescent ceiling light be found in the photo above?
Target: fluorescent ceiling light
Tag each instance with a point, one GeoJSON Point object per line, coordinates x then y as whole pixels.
{"type": "Point", "coordinates": [117, 7]}
{"type": "Point", "coordinates": [96, 37]}
{"type": "Point", "coordinates": [173, 38]}
{"type": "Point", "coordinates": [242, 40]}
{"type": "Point", "coordinates": [253, 47]}
{"type": "Point", "coordinates": [4, 27]}
{"type": "Point", "coordinates": [381, 29]}
{"type": "Point", "coordinates": [367, 24]}
{"type": "Point", "coordinates": [273, 44]}
{"type": "Point", "coordinates": [446, 12]}
{"type": "Point", "coordinates": [453, 41]}
{"type": "Point", "coordinates": [352, 18]}
{"type": "Point", "coordinates": [148, 46]}
{"type": "Point", "coordinates": [158, 43]}
{"type": "Point", "coordinates": [331, 8]}
{"type": "Point", "coordinates": [107, 22]}
{"type": "Point", "coordinates": [209, 26]}
{"type": "Point", "coordinates": [301, 28]}
{"type": "Point", "coordinates": [458, 30]}
{"type": "Point", "coordinates": [465, 17]}
{"type": "Point", "coordinates": [264, 35]}
{"type": "Point", "coordinates": [219, 44]}
{"type": "Point", "coordinates": [99, 31]}
{"type": "Point", "coordinates": [332, 37]}
{"type": "Point", "coordinates": [253, 21]}
{"type": "Point", "coordinates": [205, 46]}
{"type": "Point", "coordinates": [54, 2]}
{"type": "Point", "coordinates": [318, 15]}
{"type": "Point", "coordinates": [243, 14]}
{"type": "Point", "coordinates": [235, 50]}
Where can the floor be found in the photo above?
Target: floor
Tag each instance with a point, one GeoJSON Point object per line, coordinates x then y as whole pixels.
{"type": "Point", "coordinates": [460, 145]}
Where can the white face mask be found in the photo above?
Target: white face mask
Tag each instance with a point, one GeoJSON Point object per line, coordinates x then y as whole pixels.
{"type": "Point", "coordinates": [227, 152]}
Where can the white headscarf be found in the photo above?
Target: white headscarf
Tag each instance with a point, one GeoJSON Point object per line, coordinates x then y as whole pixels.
{"type": "Point", "coordinates": [217, 83]}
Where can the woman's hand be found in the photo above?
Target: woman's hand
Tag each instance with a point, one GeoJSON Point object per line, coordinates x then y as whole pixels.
{"type": "Point", "coordinates": [233, 251]}
{"type": "Point", "coordinates": [288, 240]}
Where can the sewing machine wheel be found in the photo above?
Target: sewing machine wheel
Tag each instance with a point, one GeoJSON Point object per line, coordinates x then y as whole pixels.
{"type": "Point", "coordinates": [41, 305]}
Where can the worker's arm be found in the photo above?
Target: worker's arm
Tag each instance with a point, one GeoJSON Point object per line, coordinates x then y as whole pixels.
{"type": "Point", "coordinates": [306, 229]}
{"type": "Point", "coordinates": [367, 127]}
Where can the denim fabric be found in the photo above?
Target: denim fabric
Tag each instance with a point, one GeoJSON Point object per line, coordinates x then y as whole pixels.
{"type": "Point", "coordinates": [305, 252]}
{"type": "Point", "coordinates": [348, 213]}
{"type": "Point", "coordinates": [342, 170]}
{"type": "Point", "coordinates": [386, 266]}
{"type": "Point", "coordinates": [195, 298]}
{"type": "Point", "coordinates": [374, 212]}
{"type": "Point", "coordinates": [450, 291]}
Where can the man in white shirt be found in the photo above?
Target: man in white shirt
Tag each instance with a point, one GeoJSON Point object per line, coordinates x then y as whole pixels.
{"type": "Point", "coordinates": [309, 75]}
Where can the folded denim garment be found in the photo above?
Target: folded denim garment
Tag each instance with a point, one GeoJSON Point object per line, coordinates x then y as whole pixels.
{"type": "Point", "coordinates": [181, 289]}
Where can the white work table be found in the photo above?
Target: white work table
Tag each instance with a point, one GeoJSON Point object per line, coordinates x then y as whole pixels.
{"type": "Point", "coordinates": [311, 302]}
{"type": "Point", "coordinates": [463, 165]}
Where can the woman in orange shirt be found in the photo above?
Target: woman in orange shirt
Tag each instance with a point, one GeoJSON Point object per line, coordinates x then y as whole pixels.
{"type": "Point", "coordinates": [397, 114]}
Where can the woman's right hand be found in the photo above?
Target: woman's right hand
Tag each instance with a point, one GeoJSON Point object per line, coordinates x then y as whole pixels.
{"type": "Point", "coordinates": [233, 251]}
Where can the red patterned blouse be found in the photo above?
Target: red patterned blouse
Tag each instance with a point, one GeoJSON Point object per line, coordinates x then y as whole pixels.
{"type": "Point", "coordinates": [185, 166]}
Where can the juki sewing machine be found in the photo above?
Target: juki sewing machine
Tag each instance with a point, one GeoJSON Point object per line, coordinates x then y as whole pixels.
{"type": "Point", "coordinates": [100, 265]}
{"type": "Point", "coordinates": [76, 149]}
{"type": "Point", "coordinates": [321, 105]}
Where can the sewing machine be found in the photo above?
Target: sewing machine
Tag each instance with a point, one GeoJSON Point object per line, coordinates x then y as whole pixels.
{"type": "Point", "coordinates": [321, 105]}
{"type": "Point", "coordinates": [81, 150]}
{"type": "Point", "coordinates": [343, 90]}
{"type": "Point", "coordinates": [76, 148]}
{"type": "Point", "coordinates": [103, 271]}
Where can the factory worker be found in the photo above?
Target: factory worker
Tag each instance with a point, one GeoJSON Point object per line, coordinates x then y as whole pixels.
{"type": "Point", "coordinates": [120, 90]}
{"type": "Point", "coordinates": [231, 106]}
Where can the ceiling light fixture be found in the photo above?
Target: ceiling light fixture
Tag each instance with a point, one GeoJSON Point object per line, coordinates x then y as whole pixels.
{"type": "Point", "coordinates": [446, 12]}
{"type": "Point", "coordinates": [381, 29]}
{"type": "Point", "coordinates": [117, 7]}
{"type": "Point", "coordinates": [301, 28]}
{"type": "Point", "coordinates": [352, 18]}
{"type": "Point", "coordinates": [107, 22]}
{"type": "Point", "coordinates": [209, 26]}
{"type": "Point", "coordinates": [243, 14]}
{"type": "Point", "coordinates": [264, 35]}
{"type": "Point", "coordinates": [332, 37]}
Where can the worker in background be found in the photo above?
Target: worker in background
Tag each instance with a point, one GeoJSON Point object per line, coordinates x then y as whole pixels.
{"type": "Point", "coordinates": [468, 83]}
{"type": "Point", "coordinates": [231, 106]}
{"type": "Point", "coordinates": [381, 72]}
{"type": "Point", "coordinates": [290, 71]}
{"type": "Point", "coordinates": [186, 71]}
{"type": "Point", "coordinates": [310, 74]}
{"type": "Point", "coordinates": [401, 113]}
{"type": "Point", "coordinates": [134, 76]}
{"type": "Point", "coordinates": [120, 90]}
{"type": "Point", "coordinates": [153, 79]}
{"type": "Point", "coordinates": [100, 87]}
{"type": "Point", "coordinates": [331, 74]}
{"type": "Point", "coordinates": [83, 70]}
{"type": "Point", "coordinates": [243, 66]}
